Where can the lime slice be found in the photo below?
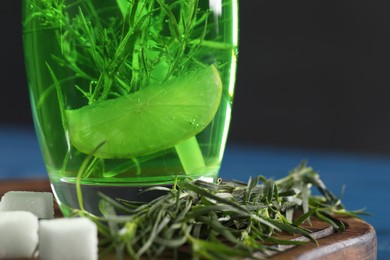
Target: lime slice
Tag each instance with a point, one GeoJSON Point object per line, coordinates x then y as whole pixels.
{"type": "Point", "coordinates": [155, 118]}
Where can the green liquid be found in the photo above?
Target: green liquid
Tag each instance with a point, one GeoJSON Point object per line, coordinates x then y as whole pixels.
{"type": "Point", "coordinates": [91, 53]}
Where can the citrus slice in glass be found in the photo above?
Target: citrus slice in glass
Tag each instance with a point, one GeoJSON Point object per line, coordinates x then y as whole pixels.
{"type": "Point", "coordinates": [152, 119]}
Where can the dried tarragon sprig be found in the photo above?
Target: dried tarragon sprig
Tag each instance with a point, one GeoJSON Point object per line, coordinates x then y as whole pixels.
{"type": "Point", "coordinates": [223, 220]}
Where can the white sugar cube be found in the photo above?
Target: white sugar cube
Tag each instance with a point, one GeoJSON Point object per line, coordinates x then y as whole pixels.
{"type": "Point", "coordinates": [18, 234]}
{"type": "Point", "coordinates": [38, 203]}
{"type": "Point", "coordinates": [68, 238]}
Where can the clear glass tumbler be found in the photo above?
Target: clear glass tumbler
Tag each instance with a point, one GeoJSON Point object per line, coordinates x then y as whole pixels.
{"type": "Point", "coordinates": [129, 94]}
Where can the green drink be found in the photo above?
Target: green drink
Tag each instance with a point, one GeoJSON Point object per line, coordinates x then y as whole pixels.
{"type": "Point", "coordinates": [128, 94]}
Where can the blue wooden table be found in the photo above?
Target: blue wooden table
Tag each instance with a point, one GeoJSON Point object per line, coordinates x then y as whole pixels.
{"type": "Point", "coordinates": [366, 177]}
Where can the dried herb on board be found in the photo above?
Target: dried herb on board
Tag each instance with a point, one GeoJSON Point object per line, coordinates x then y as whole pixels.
{"type": "Point", "coordinates": [223, 220]}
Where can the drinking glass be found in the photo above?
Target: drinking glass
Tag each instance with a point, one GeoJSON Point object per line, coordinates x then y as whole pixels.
{"type": "Point", "coordinates": [129, 94]}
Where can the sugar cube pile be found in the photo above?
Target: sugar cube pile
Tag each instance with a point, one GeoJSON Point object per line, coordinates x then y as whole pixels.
{"type": "Point", "coordinates": [38, 203]}
{"type": "Point", "coordinates": [27, 224]}
{"type": "Point", "coordinates": [18, 234]}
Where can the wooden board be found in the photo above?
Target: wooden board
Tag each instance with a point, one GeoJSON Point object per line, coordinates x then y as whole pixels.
{"type": "Point", "coordinates": [357, 242]}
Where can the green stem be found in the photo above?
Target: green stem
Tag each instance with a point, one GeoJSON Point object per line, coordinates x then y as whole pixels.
{"type": "Point", "coordinates": [60, 97]}
{"type": "Point", "coordinates": [212, 44]}
{"type": "Point", "coordinates": [190, 155]}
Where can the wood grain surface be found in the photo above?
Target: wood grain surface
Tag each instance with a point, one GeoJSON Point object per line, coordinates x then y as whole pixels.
{"type": "Point", "coordinates": [357, 242]}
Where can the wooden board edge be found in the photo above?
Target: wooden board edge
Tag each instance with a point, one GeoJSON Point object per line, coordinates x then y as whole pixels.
{"type": "Point", "coordinates": [357, 242]}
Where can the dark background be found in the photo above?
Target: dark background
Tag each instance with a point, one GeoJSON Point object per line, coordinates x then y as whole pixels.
{"type": "Point", "coordinates": [312, 74]}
